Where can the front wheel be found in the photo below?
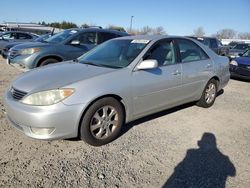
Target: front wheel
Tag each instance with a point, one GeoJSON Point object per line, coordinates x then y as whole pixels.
{"type": "Point", "coordinates": [209, 94]}
{"type": "Point", "coordinates": [102, 122]}
{"type": "Point", "coordinates": [48, 61]}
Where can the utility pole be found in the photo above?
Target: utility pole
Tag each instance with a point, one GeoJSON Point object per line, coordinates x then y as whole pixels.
{"type": "Point", "coordinates": [131, 23]}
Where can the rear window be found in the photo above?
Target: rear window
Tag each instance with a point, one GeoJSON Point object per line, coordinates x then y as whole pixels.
{"type": "Point", "coordinates": [241, 46]}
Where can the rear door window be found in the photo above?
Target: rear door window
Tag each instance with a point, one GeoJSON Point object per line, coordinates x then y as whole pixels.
{"type": "Point", "coordinates": [189, 51]}
{"type": "Point", "coordinates": [103, 36]}
{"type": "Point", "coordinates": [9, 36]}
{"type": "Point", "coordinates": [23, 36]}
{"type": "Point", "coordinates": [214, 43]}
{"type": "Point", "coordinates": [87, 38]}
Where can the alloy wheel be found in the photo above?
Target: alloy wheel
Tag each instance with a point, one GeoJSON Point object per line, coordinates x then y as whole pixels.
{"type": "Point", "coordinates": [104, 122]}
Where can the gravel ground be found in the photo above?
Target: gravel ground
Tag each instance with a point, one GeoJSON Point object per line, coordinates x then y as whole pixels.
{"type": "Point", "coordinates": [186, 146]}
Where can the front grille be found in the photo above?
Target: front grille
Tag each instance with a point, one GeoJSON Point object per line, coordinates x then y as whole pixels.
{"type": "Point", "coordinates": [17, 94]}
{"type": "Point", "coordinates": [244, 66]}
{"type": "Point", "coordinates": [5, 50]}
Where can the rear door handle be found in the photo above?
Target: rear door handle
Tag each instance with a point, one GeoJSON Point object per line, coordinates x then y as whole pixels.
{"type": "Point", "coordinates": [176, 72]}
{"type": "Point", "coordinates": [209, 65]}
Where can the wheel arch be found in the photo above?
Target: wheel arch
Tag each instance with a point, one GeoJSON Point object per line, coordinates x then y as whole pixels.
{"type": "Point", "coordinates": [117, 97]}
{"type": "Point", "coordinates": [217, 80]}
{"type": "Point", "coordinates": [57, 57]}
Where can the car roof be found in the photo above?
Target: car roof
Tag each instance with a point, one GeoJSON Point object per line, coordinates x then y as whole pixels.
{"type": "Point", "coordinates": [150, 37]}
{"type": "Point", "coordinates": [94, 29]}
{"type": "Point", "coordinates": [20, 32]}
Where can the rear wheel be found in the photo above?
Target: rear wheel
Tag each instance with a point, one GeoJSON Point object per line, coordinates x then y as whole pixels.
{"type": "Point", "coordinates": [48, 61]}
{"type": "Point", "coordinates": [102, 122]}
{"type": "Point", "coordinates": [209, 94]}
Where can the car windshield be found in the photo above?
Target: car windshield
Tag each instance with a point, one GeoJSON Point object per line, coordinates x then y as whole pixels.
{"type": "Point", "coordinates": [246, 54]}
{"type": "Point", "coordinates": [114, 53]}
{"type": "Point", "coordinates": [241, 46]}
{"type": "Point", "coordinates": [59, 37]}
{"type": "Point", "coordinates": [42, 38]}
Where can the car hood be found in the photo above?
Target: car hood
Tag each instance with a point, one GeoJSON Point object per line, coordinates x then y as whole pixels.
{"type": "Point", "coordinates": [243, 60]}
{"type": "Point", "coordinates": [30, 45]}
{"type": "Point", "coordinates": [57, 76]}
{"type": "Point", "coordinates": [235, 51]}
{"type": "Point", "coordinates": [11, 44]}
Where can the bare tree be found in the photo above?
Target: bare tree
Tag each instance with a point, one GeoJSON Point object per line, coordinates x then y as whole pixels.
{"type": "Point", "coordinates": [226, 34]}
{"type": "Point", "coordinates": [115, 27]}
{"type": "Point", "coordinates": [245, 35]}
{"type": "Point", "coordinates": [199, 32]}
{"type": "Point", "coordinates": [146, 30]}
{"type": "Point", "coordinates": [159, 31]}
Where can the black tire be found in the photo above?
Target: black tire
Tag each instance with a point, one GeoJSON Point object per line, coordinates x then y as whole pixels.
{"type": "Point", "coordinates": [203, 102]}
{"type": "Point", "coordinates": [48, 61]}
{"type": "Point", "coordinates": [89, 136]}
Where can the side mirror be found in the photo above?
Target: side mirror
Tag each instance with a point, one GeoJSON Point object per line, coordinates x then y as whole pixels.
{"type": "Point", "coordinates": [75, 42]}
{"type": "Point", "coordinates": [148, 64]}
{"type": "Point", "coordinates": [240, 54]}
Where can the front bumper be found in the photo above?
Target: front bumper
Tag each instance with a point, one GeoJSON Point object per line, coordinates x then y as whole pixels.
{"type": "Point", "coordinates": [63, 119]}
{"type": "Point", "coordinates": [240, 71]}
{"type": "Point", "coordinates": [23, 62]}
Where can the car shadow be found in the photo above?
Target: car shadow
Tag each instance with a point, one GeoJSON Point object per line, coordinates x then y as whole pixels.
{"type": "Point", "coordinates": [202, 167]}
{"type": "Point", "coordinates": [142, 120]}
{"type": "Point", "coordinates": [241, 79]}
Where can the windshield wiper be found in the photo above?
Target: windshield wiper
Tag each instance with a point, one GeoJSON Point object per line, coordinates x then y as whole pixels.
{"type": "Point", "coordinates": [110, 66]}
{"type": "Point", "coordinates": [100, 65]}
{"type": "Point", "coordinates": [90, 63]}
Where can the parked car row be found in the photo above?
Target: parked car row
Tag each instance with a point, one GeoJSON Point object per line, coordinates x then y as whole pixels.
{"type": "Point", "coordinates": [240, 66]}
{"type": "Point", "coordinates": [63, 46]}
{"type": "Point", "coordinates": [237, 52]}
{"type": "Point", "coordinates": [71, 43]}
{"type": "Point", "coordinates": [15, 36]}
{"type": "Point", "coordinates": [232, 50]}
{"type": "Point", "coordinates": [118, 81]}
{"type": "Point", "coordinates": [214, 44]}
{"type": "Point", "coordinates": [9, 45]}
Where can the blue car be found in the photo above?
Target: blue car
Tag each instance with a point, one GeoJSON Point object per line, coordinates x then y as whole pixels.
{"type": "Point", "coordinates": [240, 67]}
{"type": "Point", "coordinates": [66, 45]}
{"type": "Point", "coordinates": [6, 48]}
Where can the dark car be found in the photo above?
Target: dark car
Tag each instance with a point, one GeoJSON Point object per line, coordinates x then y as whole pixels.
{"type": "Point", "coordinates": [214, 44]}
{"type": "Point", "coordinates": [8, 46]}
{"type": "Point", "coordinates": [15, 36]}
{"type": "Point", "coordinates": [238, 49]}
{"type": "Point", "coordinates": [66, 45]}
{"type": "Point", "coordinates": [240, 66]}
{"type": "Point", "coordinates": [232, 44]}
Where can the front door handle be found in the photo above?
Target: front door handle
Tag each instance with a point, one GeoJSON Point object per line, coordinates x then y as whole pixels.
{"type": "Point", "coordinates": [209, 65]}
{"type": "Point", "coordinates": [176, 72]}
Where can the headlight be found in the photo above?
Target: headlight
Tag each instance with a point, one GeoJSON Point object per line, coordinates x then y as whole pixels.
{"type": "Point", "coordinates": [28, 51]}
{"type": "Point", "coordinates": [49, 97]}
{"type": "Point", "coordinates": [233, 62]}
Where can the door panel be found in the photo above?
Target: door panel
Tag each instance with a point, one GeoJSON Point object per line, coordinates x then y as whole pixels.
{"type": "Point", "coordinates": [196, 68]}
{"type": "Point", "coordinates": [156, 88]}
{"type": "Point", "coordinates": [195, 76]}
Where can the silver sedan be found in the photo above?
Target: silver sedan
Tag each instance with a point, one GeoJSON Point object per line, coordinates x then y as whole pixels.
{"type": "Point", "coordinates": [117, 82]}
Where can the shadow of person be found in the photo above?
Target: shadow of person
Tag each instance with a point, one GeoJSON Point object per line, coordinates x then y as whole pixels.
{"type": "Point", "coordinates": [202, 167]}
